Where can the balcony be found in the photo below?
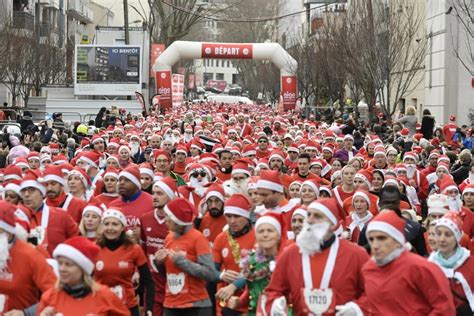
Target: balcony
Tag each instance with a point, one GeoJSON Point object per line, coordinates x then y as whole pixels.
{"type": "Point", "coordinates": [79, 10]}
{"type": "Point", "coordinates": [46, 29]}
{"type": "Point", "coordinates": [23, 20]}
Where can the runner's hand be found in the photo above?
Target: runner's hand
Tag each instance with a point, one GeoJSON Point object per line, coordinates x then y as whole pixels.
{"type": "Point", "coordinates": [161, 255]}
{"type": "Point", "coordinates": [14, 312]}
{"type": "Point", "coordinates": [234, 302]}
{"type": "Point", "coordinates": [226, 292]}
{"type": "Point", "coordinates": [229, 276]}
{"type": "Point", "coordinates": [48, 311]}
{"type": "Point", "coordinates": [175, 255]}
{"type": "Point", "coordinates": [345, 310]}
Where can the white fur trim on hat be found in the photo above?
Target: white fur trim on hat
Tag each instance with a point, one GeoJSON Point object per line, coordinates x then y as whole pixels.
{"type": "Point", "coordinates": [147, 171]}
{"type": "Point", "coordinates": [446, 222]}
{"type": "Point", "coordinates": [63, 250]}
{"type": "Point", "coordinates": [323, 209]}
{"type": "Point", "coordinates": [265, 184]}
{"type": "Point", "coordinates": [80, 175]}
{"type": "Point", "coordinates": [388, 229]}
{"type": "Point", "coordinates": [7, 227]}
{"type": "Point", "coordinates": [249, 153]}
{"type": "Point", "coordinates": [236, 211]}
{"type": "Point", "coordinates": [312, 185]}
{"type": "Point", "coordinates": [111, 174]}
{"type": "Point", "coordinates": [300, 211]}
{"type": "Point", "coordinates": [449, 187]}
{"type": "Point", "coordinates": [88, 161]}
{"type": "Point", "coordinates": [94, 209]}
{"type": "Point", "coordinates": [362, 195]}
{"type": "Point", "coordinates": [53, 177]}
{"type": "Point", "coordinates": [363, 178]}
{"type": "Point", "coordinates": [131, 177]}
{"type": "Point", "coordinates": [468, 190]}
{"type": "Point", "coordinates": [174, 218]}
{"type": "Point", "coordinates": [165, 189]}
{"type": "Point", "coordinates": [11, 187]}
{"type": "Point", "coordinates": [277, 156]}
{"type": "Point", "coordinates": [33, 184]}
{"type": "Point", "coordinates": [97, 139]}
{"type": "Point", "coordinates": [244, 171]}
{"type": "Point", "coordinates": [216, 194]}
{"type": "Point", "coordinates": [268, 220]}
{"type": "Point", "coordinates": [115, 214]}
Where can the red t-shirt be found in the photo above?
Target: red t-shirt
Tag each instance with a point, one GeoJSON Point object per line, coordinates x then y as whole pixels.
{"type": "Point", "coordinates": [134, 210]}
{"type": "Point", "coordinates": [211, 227]}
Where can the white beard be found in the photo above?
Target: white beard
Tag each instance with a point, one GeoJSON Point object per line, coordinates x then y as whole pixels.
{"type": "Point", "coordinates": [455, 203]}
{"type": "Point", "coordinates": [311, 237]}
{"type": "Point", "coordinates": [410, 170]}
{"type": "Point", "coordinates": [231, 187]}
{"type": "Point", "coordinates": [199, 186]}
{"type": "Point", "coordinates": [4, 250]}
{"type": "Point", "coordinates": [187, 138]}
{"type": "Point", "coordinates": [134, 148]}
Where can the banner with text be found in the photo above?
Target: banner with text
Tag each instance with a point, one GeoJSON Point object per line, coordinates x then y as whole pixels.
{"type": "Point", "coordinates": [163, 88]}
{"type": "Point", "coordinates": [177, 85]}
{"type": "Point", "coordinates": [289, 92]}
{"type": "Point", "coordinates": [227, 51]}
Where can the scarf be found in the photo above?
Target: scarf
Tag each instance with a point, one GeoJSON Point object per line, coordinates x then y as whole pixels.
{"type": "Point", "coordinates": [77, 291]}
{"type": "Point", "coordinates": [113, 244]}
{"type": "Point", "coordinates": [456, 259]}
{"type": "Point", "coordinates": [242, 232]}
{"type": "Point", "coordinates": [391, 256]}
{"type": "Point", "coordinates": [57, 201]}
{"type": "Point", "coordinates": [359, 221]}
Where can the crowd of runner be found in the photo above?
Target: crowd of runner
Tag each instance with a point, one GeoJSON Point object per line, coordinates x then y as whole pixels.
{"type": "Point", "coordinates": [231, 209]}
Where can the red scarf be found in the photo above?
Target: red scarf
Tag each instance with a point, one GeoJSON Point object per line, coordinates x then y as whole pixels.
{"type": "Point", "coordinates": [57, 201]}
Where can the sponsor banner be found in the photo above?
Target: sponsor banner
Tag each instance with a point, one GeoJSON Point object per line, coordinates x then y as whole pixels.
{"type": "Point", "coordinates": [191, 81]}
{"type": "Point", "coordinates": [288, 92]}
{"type": "Point", "coordinates": [177, 85]}
{"type": "Point", "coordinates": [218, 84]}
{"type": "Point", "coordinates": [227, 51]}
{"type": "Point", "coordinates": [163, 88]}
{"type": "Point", "coordinates": [156, 51]}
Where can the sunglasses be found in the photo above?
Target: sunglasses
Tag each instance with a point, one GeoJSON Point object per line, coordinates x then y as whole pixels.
{"type": "Point", "coordinates": [262, 141]}
{"type": "Point", "coordinates": [197, 174]}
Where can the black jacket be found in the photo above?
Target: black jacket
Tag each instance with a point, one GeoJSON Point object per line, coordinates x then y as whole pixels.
{"type": "Point", "coordinates": [460, 172]}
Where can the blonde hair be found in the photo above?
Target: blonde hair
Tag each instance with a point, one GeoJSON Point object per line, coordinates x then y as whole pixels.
{"type": "Point", "coordinates": [86, 279]}
{"type": "Point", "coordinates": [410, 110]}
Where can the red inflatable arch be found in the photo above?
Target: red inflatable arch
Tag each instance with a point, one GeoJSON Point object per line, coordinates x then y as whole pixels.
{"type": "Point", "coordinates": [197, 50]}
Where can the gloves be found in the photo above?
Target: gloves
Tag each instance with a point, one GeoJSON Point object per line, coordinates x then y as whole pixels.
{"type": "Point", "coordinates": [348, 309]}
{"type": "Point", "coordinates": [279, 307]}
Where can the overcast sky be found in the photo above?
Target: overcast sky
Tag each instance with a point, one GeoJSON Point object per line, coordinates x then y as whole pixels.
{"type": "Point", "coordinates": [116, 6]}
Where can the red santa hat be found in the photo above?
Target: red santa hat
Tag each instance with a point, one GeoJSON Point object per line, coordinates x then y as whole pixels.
{"type": "Point", "coordinates": [96, 138]}
{"type": "Point", "coordinates": [249, 150]}
{"type": "Point", "coordinates": [12, 172]}
{"type": "Point", "coordinates": [12, 185]}
{"type": "Point", "coordinates": [59, 159]}
{"type": "Point", "coordinates": [468, 189]}
{"type": "Point", "coordinates": [114, 213]}
{"type": "Point", "coordinates": [168, 185]}
{"type": "Point", "coordinates": [132, 173]}
{"type": "Point", "coordinates": [379, 150]}
{"type": "Point", "coordinates": [364, 175]}
{"type": "Point", "coordinates": [33, 155]}
{"type": "Point", "coordinates": [391, 149]}
{"type": "Point", "coordinates": [81, 173]}
{"type": "Point", "coordinates": [452, 118]}
{"type": "Point", "coordinates": [91, 158]}
{"type": "Point", "coordinates": [325, 189]}
{"type": "Point", "coordinates": [443, 166]}
{"type": "Point", "coordinates": [146, 168]}
{"type": "Point", "coordinates": [328, 147]}
{"type": "Point", "coordinates": [7, 217]}
{"type": "Point", "coordinates": [21, 162]}
{"type": "Point", "coordinates": [238, 204]}
{"type": "Point", "coordinates": [453, 222]}
{"type": "Point", "coordinates": [241, 166]}
{"type": "Point", "coordinates": [273, 219]}
{"type": "Point", "coordinates": [404, 132]}
{"type": "Point", "coordinates": [389, 223]}
{"type": "Point", "coordinates": [93, 208]}
{"type": "Point", "coordinates": [447, 183]}
{"type": "Point", "coordinates": [80, 250]}
{"type": "Point", "coordinates": [180, 211]}
{"type": "Point", "coordinates": [313, 184]}
{"type": "Point", "coordinates": [328, 207]}
{"type": "Point", "coordinates": [113, 143]}
{"type": "Point", "coordinates": [32, 179]}
{"type": "Point", "coordinates": [438, 204]}
{"type": "Point", "coordinates": [111, 172]}
{"type": "Point", "coordinates": [158, 152]}
{"type": "Point", "coordinates": [270, 179]}
{"type": "Point", "coordinates": [300, 211]}
{"type": "Point", "coordinates": [181, 149]}
{"type": "Point", "coordinates": [124, 147]}
{"type": "Point", "coordinates": [411, 155]}
{"type": "Point", "coordinates": [54, 173]}
{"type": "Point", "coordinates": [363, 194]}
{"type": "Point", "coordinates": [214, 190]}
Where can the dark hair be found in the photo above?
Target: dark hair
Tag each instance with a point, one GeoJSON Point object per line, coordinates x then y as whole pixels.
{"type": "Point", "coordinates": [304, 156]}
{"type": "Point", "coordinates": [124, 238]}
{"type": "Point", "coordinates": [426, 112]}
{"type": "Point", "coordinates": [393, 204]}
{"type": "Point", "coordinates": [340, 161]}
{"type": "Point", "coordinates": [380, 172]}
{"type": "Point", "coordinates": [225, 151]}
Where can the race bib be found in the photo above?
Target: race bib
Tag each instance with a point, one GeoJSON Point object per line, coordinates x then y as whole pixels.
{"type": "Point", "coordinates": [151, 257]}
{"type": "Point", "coordinates": [318, 301]}
{"type": "Point", "coordinates": [175, 282]}
{"type": "Point", "coordinates": [118, 290]}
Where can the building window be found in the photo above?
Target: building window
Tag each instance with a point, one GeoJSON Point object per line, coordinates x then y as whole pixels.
{"type": "Point", "coordinates": [217, 62]}
{"type": "Point", "coordinates": [228, 63]}
{"type": "Point", "coordinates": [220, 76]}
{"type": "Point", "coordinates": [208, 76]}
{"type": "Point", "coordinates": [235, 79]}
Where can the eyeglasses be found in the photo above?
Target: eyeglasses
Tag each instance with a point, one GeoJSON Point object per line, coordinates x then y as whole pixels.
{"type": "Point", "coordinates": [197, 174]}
{"type": "Point", "coordinates": [262, 141]}
{"type": "Point", "coordinates": [162, 160]}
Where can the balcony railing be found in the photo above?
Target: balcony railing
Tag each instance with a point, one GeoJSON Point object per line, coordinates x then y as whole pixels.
{"type": "Point", "coordinates": [23, 20]}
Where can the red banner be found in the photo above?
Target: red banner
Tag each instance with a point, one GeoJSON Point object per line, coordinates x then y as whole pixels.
{"type": "Point", "coordinates": [219, 84]}
{"type": "Point", "coordinates": [163, 88]}
{"type": "Point", "coordinates": [156, 51]}
{"type": "Point", "coordinates": [288, 92]}
{"type": "Point", "coordinates": [191, 78]}
{"type": "Point", "coordinates": [227, 51]}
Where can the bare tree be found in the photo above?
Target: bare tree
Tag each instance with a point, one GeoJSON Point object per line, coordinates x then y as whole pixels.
{"type": "Point", "coordinates": [463, 41]}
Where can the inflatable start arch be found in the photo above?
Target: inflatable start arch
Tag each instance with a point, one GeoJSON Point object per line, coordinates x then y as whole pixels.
{"type": "Point", "coordinates": [197, 50]}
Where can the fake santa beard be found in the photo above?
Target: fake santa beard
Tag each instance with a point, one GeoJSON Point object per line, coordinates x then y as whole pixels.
{"type": "Point", "coordinates": [311, 237]}
{"type": "Point", "coordinates": [4, 250]}
{"type": "Point", "coordinates": [455, 203]}
{"type": "Point", "coordinates": [199, 185]}
{"type": "Point", "coordinates": [232, 187]}
{"type": "Point", "coordinates": [411, 168]}
{"type": "Point", "coordinates": [134, 148]}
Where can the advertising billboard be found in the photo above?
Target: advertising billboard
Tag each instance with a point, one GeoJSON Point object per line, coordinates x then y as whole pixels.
{"type": "Point", "coordinates": [108, 70]}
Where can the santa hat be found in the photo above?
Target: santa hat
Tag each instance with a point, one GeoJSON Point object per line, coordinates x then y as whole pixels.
{"type": "Point", "coordinates": [81, 173]}
{"type": "Point", "coordinates": [132, 173]}
{"type": "Point", "coordinates": [443, 166]}
{"type": "Point", "coordinates": [273, 219]}
{"type": "Point", "coordinates": [94, 208]}
{"type": "Point", "coordinates": [364, 175]}
{"type": "Point", "coordinates": [180, 211]}
{"type": "Point", "coordinates": [270, 179]}
{"type": "Point", "coordinates": [96, 138]}
{"type": "Point", "coordinates": [379, 150]}
{"type": "Point", "coordinates": [214, 190]}
{"type": "Point", "coordinates": [12, 185]}
{"type": "Point", "coordinates": [300, 211]}
{"type": "Point", "coordinates": [325, 189]}
{"type": "Point", "coordinates": [146, 168]}
{"type": "Point", "coordinates": [21, 162]}
{"type": "Point", "coordinates": [113, 213]}
{"type": "Point", "coordinates": [181, 149]}
{"type": "Point", "coordinates": [391, 149]}
{"type": "Point", "coordinates": [404, 132]}
{"type": "Point", "coordinates": [410, 154]}
{"type": "Point", "coordinates": [111, 172]}
{"type": "Point", "coordinates": [80, 250]}
{"type": "Point", "coordinates": [7, 217]}
{"type": "Point", "coordinates": [313, 184]}
{"type": "Point", "coordinates": [437, 204]}
{"type": "Point", "coordinates": [113, 143]}
{"type": "Point", "coordinates": [238, 204]}
{"type": "Point", "coordinates": [60, 159]}
{"type": "Point", "coordinates": [447, 183]}
{"type": "Point", "coordinates": [240, 166]}
{"type": "Point", "coordinates": [168, 185]}
{"type": "Point", "coordinates": [12, 172]}
{"type": "Point", "coordinates": [32, 179]}
{"type": "Point", "coordinates": [453, 222]}
{"type": "Point", "coordinates": [54, 173]}
{"type": "Point", "coordinates": [33, 155]}
{"type": "Point", "coordinates": [328, 207]}
{"type": "Point", "coordinates": [452, 118]}
{"type": "Point", "coordinates": [91, 158]}
{"type": "Point", "coordinates": [277, 154]}
{"type": "Point", "coordinates": [390, 223]}
{"type": "Point", "coordinates": [158, 152]}
{"type": "Point", "coordinates": [468, 189]}
{"type": "Point", "coordinates": [249, 150]}
{"type": "Point", "coordinates": [363, 194]}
